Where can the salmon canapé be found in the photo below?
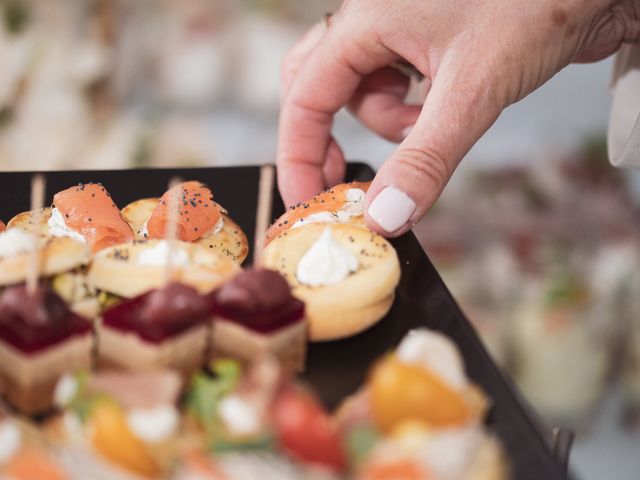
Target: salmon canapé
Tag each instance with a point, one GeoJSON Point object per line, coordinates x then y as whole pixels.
{"type": "Point", "coordinates": [197, 212]}
{"type": "Point", "coordinates": [343, 203]}
{"type": "Point", "coordinates": [89, 210]}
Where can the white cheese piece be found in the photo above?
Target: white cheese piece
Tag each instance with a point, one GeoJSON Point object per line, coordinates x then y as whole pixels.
{"type": "Point", "coordinates": [10, 439]}
{"type": "Point", "coordinates": [153, 424]}
{"type": "Point", "coordinates": [239, 416]}
{"type": "Point", "coordinates": [65, 390]}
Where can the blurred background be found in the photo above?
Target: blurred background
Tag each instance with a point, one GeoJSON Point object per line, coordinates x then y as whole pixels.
{"type": "Point", "coordinates": [537, 236]}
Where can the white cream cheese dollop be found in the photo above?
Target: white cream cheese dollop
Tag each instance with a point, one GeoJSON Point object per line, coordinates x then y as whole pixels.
{"type": "Point", "coordinates": [58, 227]}
{"type": "Point", "coordinates": [10, 439]}
{"type": "Point", "coordinates": [14, 241]}
{"type": "Point", "coordinates": [157, 255]}
{"type": "Point", "coordinates": [318, 217]}
{"type": "Point", "coordinates": [353, 207]}
{"type": "Point", "coordinates": [326, 262]}
{"type": "Point", "coordinates": [239, 416]}
{"type": "Point", "coordinates": [434, 351]}
{"type": "Point", "coordinates": [217, 228]}
{"type": "Point", "coordinates": [153, 424]}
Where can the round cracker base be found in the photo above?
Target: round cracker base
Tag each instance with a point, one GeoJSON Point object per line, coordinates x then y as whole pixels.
{"type": "Point", "coordinates": [230, 240]}
{"type": "Point", "coordinates": [357, 302]}
{"type": "Point", "coordinates": [29, 222]}
{"type": "Point", "coordinates": [326, 325]}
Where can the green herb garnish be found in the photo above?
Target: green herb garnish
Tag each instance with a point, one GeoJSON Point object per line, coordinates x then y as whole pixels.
{"type": "Point", "coordinates": [360, 441]}
{"type": "Point", "coordinates": [207, 391]}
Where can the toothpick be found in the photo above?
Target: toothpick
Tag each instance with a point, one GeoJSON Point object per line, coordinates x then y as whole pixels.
{"type": "Point", "coordinates": [37, 203]}
{"type": "Point", "coordinates": [263, 211]}
{"type": "Point", "coordinates": [171, 231]}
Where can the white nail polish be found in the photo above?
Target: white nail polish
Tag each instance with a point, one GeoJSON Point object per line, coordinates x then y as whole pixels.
{"type": "Point", "coordinates": [391, 209]}
{"type": "Point", "coordinates": [406, 131]}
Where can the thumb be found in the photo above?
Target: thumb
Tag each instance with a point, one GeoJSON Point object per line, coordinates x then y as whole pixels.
{"type": "Point", "coordinates": [457, 111]}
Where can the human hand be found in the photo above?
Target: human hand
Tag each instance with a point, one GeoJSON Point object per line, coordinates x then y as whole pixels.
{"type": "Point", "coordinates": [479, 57]}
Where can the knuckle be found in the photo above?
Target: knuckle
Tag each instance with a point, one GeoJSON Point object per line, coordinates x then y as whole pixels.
{"type": "Point", "coordinates": [426, 163]}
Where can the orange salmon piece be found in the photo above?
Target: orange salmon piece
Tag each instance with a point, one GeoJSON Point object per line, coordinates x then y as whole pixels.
{"type": "Point", "coordinates": [89, 210]}
{"type": "Point", "coordinates": [30, 464]}
{"type": "Point", "coordinates": [331, 200]}
{"type": "Point", "coordinates": [113, 439]}
{"type": "Point", "coordinates": [198, 213]}
{"type": "Point", "coordinates": [3, 227]}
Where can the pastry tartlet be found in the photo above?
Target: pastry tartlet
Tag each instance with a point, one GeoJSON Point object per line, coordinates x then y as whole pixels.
{"type": "Point", "coordinates": [255, 314]}
{"type": "Point", "coordinates": [164, 328]}
{"type": "Point", "coordinates": [84, 212]}
{"type": "Point", "coordinates": [424, 415]}
{"type": "Point", "coordinates": [346, 275]}
{"type": "Point", "coordinates": [40, 339]}
{"type": "Point", "coordinates": [200, 220]}
{"type": "Point", "coordinates": [129, 270]}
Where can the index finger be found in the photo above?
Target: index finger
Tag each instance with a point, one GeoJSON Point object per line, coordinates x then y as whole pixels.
{"type": "Point", "coordinates": [324, 84]}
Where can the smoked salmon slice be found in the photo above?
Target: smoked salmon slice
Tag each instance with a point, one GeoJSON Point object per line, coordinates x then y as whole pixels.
{"type": "Point", "coordinates": [198, 213]}
{"type": "Point", "coordinates": [89, 210]}
{"type": "Point", "coordinates": [3, 227]}
{"type": "Point", "coordinates": [333, 200]}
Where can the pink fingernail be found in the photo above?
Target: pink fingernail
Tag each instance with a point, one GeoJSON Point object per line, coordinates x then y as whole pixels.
{"type": "Point", "coordinates": [391, 209]}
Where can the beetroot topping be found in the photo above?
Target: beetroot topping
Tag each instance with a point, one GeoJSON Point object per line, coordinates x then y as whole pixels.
{"type": "Point", "coordinates": [259, 299]}
{"type": "Point", "coordinates": [33, 321]}
{"type": "Point", "coordinates": [160, 313]}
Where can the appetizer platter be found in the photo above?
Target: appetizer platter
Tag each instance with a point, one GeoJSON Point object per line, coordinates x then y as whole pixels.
{"type": "Point", "coordinates": [145, 349]}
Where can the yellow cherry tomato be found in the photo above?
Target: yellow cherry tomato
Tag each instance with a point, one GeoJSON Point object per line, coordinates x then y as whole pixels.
{"type": "Point", "coordinates": [113, 439]}
{"type": "Point", "coordinates": [402, 391]}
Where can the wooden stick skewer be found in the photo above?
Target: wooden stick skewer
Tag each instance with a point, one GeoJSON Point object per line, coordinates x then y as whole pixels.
{"type": "Point", "coordinates": [172, 229]}
{"type": "Point", "coordinates": [38, 186]}
{"type": "Point", "coordinates": [263, 211]}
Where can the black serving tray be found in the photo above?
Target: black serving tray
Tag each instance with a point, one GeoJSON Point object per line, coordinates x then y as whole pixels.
{"type": "Point", "coordinates": [336, 369]}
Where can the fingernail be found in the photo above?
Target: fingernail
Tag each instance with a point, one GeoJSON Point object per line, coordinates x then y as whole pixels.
{"type": "Point", "coordinates": [391, 209]}
{"type": "Point", "coordinates": [406, 131]}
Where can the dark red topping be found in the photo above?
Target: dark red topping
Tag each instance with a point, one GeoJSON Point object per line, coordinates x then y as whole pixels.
{"type": "Point", "coordinates": [259, 299]}
{"type": "Point", "coordinates": [161, 313]}
{"type": "Point", "coordinates": [33, 322]}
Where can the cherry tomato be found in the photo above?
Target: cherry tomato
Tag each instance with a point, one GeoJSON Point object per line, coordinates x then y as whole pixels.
{"type": "Point", "coordinates": [402, 391]}
{"type": "Point", "coordinates": [306, 432]}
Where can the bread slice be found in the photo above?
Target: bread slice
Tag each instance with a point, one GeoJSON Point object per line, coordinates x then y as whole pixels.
{"type": "Point", "coordinates": [115, 269]}
{"type": "Point", "coordinates": [230, 240]}
{"type": "Point", "coordinates": [357, 302]}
